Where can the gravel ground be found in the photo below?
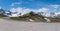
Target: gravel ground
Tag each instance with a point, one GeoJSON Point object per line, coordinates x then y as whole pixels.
{"type": "Point", "coordinates": [10, 25]}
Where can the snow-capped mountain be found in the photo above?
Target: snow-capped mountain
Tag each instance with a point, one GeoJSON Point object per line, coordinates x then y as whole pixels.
{"type": "Point", "coordinates": [10, 13]}
{"type": "Point", "coordinates": [2, 11]}
{"type": "Point", "coordinates": [53, 14]}
{"type": "Point", "coordinates": [5, 12]}
{"type": "Point", "coordinates": [16, 13]}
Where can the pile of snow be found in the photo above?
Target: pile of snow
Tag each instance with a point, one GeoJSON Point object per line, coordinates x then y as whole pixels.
{"type": "Point", "coordinates": [47, 20]}
{"type": "Point", "coordinates": [31, 20]}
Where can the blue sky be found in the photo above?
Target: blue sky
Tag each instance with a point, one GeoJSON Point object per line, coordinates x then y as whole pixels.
{"type": "Point", "coordinates": [39, 3]}
{"type": "Point", "coordinates": [5, 4]}
{"type": "Point", "coordinates": [31, 4]}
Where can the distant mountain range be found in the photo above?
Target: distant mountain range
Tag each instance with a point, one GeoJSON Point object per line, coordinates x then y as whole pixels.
{"type": "Point", "coordinates": [16, 14]}
{"type": "Point", "coordinates": [38, 17]}
{"type": "Point", "coordinates": [31, 16]}
{"type": "Point", "coordinates": [9, 13]}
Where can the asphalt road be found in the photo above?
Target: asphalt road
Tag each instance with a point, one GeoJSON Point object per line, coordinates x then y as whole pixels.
{"type": "Point", "coordinates": [10, 25]}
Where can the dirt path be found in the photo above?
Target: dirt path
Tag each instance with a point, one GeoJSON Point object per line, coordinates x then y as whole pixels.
{"type": "Point", "coordinates": [9, 25]}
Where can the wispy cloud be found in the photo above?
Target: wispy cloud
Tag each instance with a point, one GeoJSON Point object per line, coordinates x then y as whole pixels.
{"type": "Point", "coordinates": [16, 3]}
{"type": "Point", "coordinates": [55, 6]}
{"type": "Point", "coordinates": [43, 9]}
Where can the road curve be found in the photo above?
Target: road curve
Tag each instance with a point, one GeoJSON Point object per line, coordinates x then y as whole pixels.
{"type": "Point", "coordinates": [9, 25]}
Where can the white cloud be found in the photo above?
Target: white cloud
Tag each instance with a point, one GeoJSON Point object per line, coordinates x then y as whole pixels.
{"type": "Point", "coordinates": [55, 6]}
{"type": "Point", "coordinates": [12, 10]}
{"type": "Point", "coordinates": [16, 9]}
{"type": "Point", "coordinates": [57, 13]}
{"type": "Point", "coordinates": [43, 9]}
{"type": "Point", "coordinates": [16, 3]}
{"type": "Point", "coordinates": [21, 10]}
{"type": "Point", "coordinates": [47, 15]}
{"type": "Point", "coordinates": [27, 10]}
